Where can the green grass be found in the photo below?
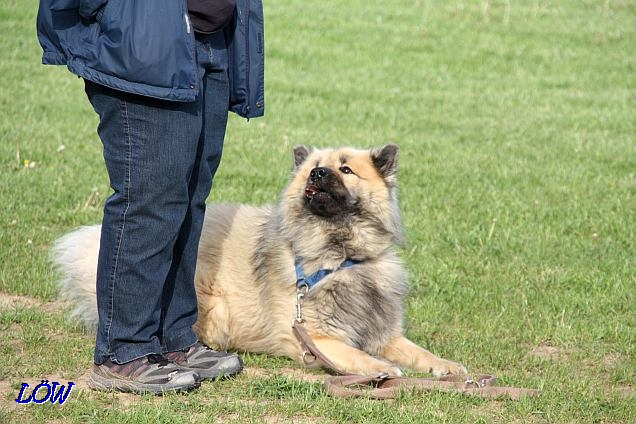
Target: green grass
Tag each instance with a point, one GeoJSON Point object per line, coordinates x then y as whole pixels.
{"type": "Point", "coordinates": [517, 124]}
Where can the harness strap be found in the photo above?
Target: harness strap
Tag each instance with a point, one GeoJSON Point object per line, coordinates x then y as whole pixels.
{"type": "Point", "coordinates": [313, 279]}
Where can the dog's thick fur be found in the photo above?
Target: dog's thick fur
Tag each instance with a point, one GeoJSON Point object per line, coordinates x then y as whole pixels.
{"type": "Point", "coordinates": [340, 204]}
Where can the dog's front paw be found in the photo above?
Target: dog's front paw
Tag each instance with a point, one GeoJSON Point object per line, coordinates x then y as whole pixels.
{"type": "Point", "coordinates": [393, 371]}
{"type": "Point", "coordinates": [445, 367]}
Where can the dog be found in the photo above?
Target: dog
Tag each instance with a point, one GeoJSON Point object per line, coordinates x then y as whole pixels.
{"type": "Point", "coordinates": [337, 226]}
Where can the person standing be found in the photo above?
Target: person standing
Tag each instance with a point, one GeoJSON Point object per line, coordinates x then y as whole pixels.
{"type": "Point", "coordinates": [162, 76]}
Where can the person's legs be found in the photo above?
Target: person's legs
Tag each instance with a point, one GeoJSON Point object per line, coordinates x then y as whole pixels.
{"type": "Point", "coordinates": [161, 158]}
{"type": "Point", "coordinates": [150, 147]}
{"type": "Point", "coordinates": [149, 151]}
{"type": "Point", "coordinates": [179, 289]}
{"type": "Point", "coordinates": [177, 318]}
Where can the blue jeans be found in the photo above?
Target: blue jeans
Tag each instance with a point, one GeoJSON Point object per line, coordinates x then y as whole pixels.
{"type": "Point", "coordinates": [161, 158]}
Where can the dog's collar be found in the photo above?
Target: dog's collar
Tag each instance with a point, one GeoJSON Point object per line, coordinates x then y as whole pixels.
{"type": "Point", "coordinates": [313, 279]}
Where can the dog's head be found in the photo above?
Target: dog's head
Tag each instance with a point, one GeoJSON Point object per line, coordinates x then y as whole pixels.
{"type": "Point", "coordinates": [347, 187]}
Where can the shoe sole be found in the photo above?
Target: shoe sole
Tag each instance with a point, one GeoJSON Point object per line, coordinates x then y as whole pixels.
{"type": "Point", "coordinates": [227, 368]}
{"type": "Point", "coordinates": [100, 383]}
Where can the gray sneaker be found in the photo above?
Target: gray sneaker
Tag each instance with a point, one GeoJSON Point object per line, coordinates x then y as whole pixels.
{"type": "Point", "coordinates": [208, 363]}
{"type": "Point", "coordinates": [151, 374]}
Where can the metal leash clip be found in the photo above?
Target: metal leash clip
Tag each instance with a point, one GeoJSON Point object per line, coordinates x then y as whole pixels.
{"type": "Point", "coordinates": [300, 293]}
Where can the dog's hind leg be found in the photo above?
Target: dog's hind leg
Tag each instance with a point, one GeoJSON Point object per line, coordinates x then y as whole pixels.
{"type": "Point", "coordinates": [212, 326]}
{"type": "Point", "coordinates": [352, 360]}
{"type": "Point", "coordinates": [407, 354]}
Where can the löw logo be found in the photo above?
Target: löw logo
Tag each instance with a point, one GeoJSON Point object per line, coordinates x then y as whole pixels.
{"type": "Point", "coordinates": [53, 392]}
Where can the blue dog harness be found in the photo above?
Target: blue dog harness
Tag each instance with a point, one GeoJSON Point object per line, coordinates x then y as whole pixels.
{"type": "Point", "coordinates": [304, 283]}
{"type": "Point", "coordinates": [313, 279]}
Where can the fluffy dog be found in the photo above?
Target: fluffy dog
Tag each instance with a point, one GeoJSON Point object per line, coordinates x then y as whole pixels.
{"type": "Point", "coordinates": [338, 218]}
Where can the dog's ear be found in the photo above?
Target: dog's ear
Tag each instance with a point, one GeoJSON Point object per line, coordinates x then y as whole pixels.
{"type": "Point", "coordinates": [300, 155]}
{"type": "Point", "coordinates": [385, 159]}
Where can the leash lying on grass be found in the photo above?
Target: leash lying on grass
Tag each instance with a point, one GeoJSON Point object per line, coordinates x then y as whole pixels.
{"type": "Point", "coordinates": [383, 386]}
{"type": "Point", "coordinates": [386, 387]}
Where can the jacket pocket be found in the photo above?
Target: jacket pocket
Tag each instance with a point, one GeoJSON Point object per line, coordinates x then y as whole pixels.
{"type": "Point", "coordinates": [145, 42]}
{"type": "Point", "coordinates": [64, 14]}
{"type": "Point", "coordinates": [58, 5]}
{"type": "Point", "coordinates": [91, 9]}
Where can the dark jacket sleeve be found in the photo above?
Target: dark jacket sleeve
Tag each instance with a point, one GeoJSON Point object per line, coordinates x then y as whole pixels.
{"type": "Point", "coordinates": [247, 59]}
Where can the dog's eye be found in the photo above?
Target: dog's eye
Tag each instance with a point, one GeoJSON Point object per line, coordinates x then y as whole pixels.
{"type": "Point", "coordinates": [346, 170]}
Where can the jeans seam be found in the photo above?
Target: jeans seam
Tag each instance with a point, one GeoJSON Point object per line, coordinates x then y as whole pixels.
{"type": "Point", "coordinates": [120, 235]}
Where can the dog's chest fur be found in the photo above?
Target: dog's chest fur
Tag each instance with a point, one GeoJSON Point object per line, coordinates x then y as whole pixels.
{"type": "Point", "coordinates": [362, 305]}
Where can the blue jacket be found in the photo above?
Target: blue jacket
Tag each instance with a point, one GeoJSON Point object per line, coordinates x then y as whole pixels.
{"type": "Point", "coordinates": [147, 47]}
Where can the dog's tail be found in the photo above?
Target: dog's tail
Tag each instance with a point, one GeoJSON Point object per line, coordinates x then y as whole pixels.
{"type": "Point", "coordinates": [75, 257]}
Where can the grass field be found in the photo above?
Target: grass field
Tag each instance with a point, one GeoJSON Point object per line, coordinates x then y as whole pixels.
{"type": "Point", "coordinates": [517, 127]}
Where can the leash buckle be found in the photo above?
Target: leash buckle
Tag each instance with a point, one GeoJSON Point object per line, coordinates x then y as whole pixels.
{"type": "Point", "coordinates": [477, 384]}
{"type": "Point", "coordinates": [308, 358]}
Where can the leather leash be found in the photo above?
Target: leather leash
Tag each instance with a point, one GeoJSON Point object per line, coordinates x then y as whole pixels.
{"type": "Point", "coordinates": [311, 354]}
{"type": "Point", "coordinates": [383, 386]}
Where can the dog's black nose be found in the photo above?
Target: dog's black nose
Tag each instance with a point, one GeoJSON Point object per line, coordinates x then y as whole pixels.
{"type": "Point", "coordinates": [317, 174]}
